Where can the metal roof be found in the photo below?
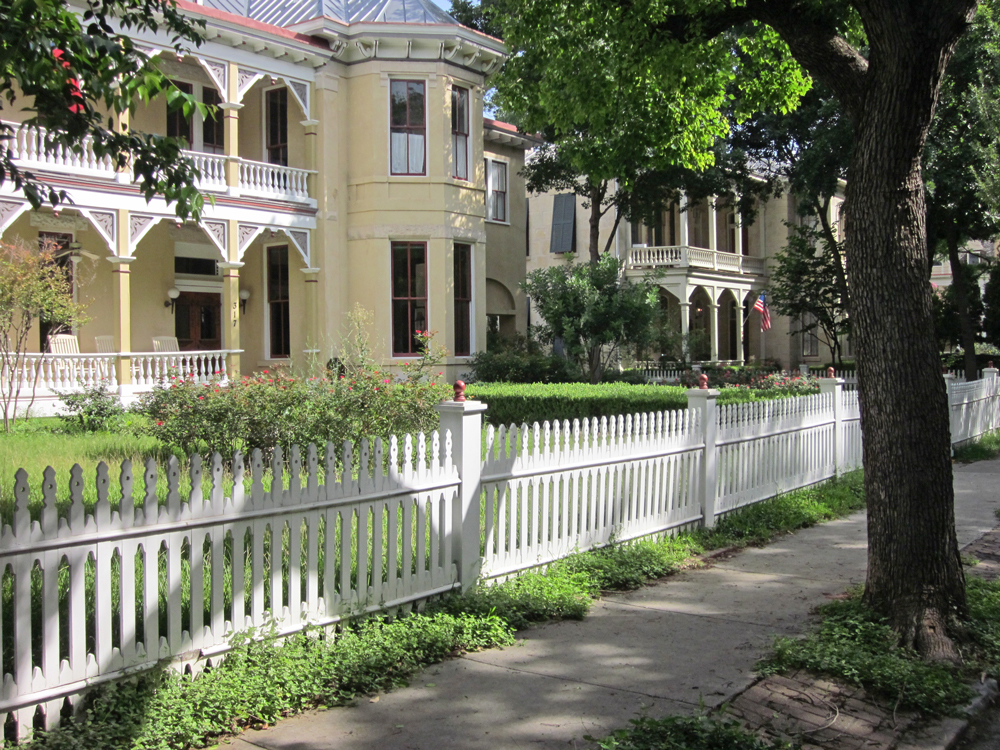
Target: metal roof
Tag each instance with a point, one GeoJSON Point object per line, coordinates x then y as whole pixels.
{"type": "Point", "coordinates": [288, 12]}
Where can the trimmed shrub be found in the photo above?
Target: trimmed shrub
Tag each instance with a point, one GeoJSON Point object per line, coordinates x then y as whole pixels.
{"type": "Point", "coordinates": [527, 403]}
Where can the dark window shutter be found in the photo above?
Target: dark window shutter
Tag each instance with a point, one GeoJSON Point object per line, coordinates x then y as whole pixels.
{"type": "Point", "coordinates": [563, 221]}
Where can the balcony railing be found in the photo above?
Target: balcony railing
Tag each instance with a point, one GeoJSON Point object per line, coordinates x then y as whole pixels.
{"type": "Point", "coordinates": [680, 256]}
{"type": "Point", "coordinates": [255, 178]}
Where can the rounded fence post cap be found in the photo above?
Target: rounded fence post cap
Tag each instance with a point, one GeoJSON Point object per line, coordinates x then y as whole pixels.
{"type": "Point", "coordinates": [830, 372]}
{"type": "Point", "coordinates": [703, 382]}
{"type": "Point", "coordinates": [459, 391]}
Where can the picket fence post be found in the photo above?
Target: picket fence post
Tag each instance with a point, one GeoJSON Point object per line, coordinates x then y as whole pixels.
{"type": "Point", "coordinates": [703, 399]}
{"type": "Point", "coordinates": [464, 420]}
{"type": "Point", "coordinates": [835, 385]}
{"type": "Point", "coordinates": [804, 369]}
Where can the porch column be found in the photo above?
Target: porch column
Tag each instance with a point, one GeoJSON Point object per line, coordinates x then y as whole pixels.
{"type": "Point", "coordinates": [231, 315]}
{"type": "Point", "coordinates": [121, 299]}
{"type": "Point", "coordinates": [312, 131]}
{"type": "Point", "coordinates": [231, 130]}
{"type": "Point", "coordinates": [685, 235]}
{"type": "Point", "coordinates": [685, 326]}
{"type": "Point", "coordinates": [713, 225]}
{"type": "Point", "coordinates": [737, 230]}
{"type": "Point", "coordinates": [739, 326]}
{"type": "Point", "coordinates": [313, 347]}
{"type": "Point", "coordinates": [124, 174]}
{"type": "Point", "coordinates": [713, 330]}
{"type": "Point", "coordinates": [231, 298]}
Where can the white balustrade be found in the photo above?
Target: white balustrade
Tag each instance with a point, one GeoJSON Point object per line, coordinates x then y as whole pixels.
{"type": "Point", "coordinates": [274, 181]}
{"type": "Point", "coordinates": [58, 373]}
{"type": "Point", "coordinates": [212, 168]}
{"type": "Point", "coordinates": [150, 369]}
{"type": "Point", "coordinates": [29, 149]}
{"type": "Point", "coordinates": [695, 257]}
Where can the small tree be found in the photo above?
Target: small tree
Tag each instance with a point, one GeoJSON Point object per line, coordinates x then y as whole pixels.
{"type": "Point", "coordinates": [33, 287]}
{"type": "Point", "coordinates": [806, 281]}
{"type": "Point", "coordinates": [593, 308]}
{"type": "Point", "coordinates": [951, 317]}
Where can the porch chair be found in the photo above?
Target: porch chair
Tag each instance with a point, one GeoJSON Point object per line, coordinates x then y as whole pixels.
{"type": "Point", "coordinates": [165, 344]}
{"type": "Point", "coordinates": [105, 344]}
{"type": "Point", "coordinates": [64, 343]}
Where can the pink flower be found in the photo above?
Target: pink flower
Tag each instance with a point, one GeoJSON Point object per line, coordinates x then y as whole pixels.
{"type": "Point", "coordinates": [200, 398]}
{"type": "Point", "coordinates": [386, 380]}
{"type": "Point", "coordinates": [264, 371]}
{"type": "Point", "coordinates": [159, 424]}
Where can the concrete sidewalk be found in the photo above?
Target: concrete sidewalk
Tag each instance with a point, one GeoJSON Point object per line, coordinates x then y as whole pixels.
{"type": "Point", "coordinates": [676, 647]}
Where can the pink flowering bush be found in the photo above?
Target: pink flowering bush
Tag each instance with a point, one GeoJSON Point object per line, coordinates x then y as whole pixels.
{"type": "Point", "coordinates": [271, 408]}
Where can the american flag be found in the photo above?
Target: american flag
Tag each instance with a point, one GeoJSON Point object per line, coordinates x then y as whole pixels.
{"type": "Point", "coordinates": [765, 314]}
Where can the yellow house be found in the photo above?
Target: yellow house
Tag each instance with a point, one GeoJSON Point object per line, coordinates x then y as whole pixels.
{"type": "Point", "coordinates": [350, 164]}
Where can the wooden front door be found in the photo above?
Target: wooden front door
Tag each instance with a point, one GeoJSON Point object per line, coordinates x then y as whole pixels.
{"type": "Point", "coordinates": [196, 321]}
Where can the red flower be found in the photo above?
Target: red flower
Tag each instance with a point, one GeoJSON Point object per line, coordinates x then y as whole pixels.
{"type": "Point", "coordinates": [201, 398]}
{"type": "Point", "coordinates": [264, 371]}
{"type": "Point", "coordinates": [159, 424]}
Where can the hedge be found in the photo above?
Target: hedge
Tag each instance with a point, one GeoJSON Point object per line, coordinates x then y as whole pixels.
{"type": "Point", "coordinates": [517, 403]}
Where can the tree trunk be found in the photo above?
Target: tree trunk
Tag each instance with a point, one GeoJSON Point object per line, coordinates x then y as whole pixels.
{"type": "Point", "coordinates": [594, 361]}
{"type": "Point", "coordinates": [915, 577]}
{"type": "Point", "coordinates": [962, 302]}
{"type": "Point", "coordinates": [597, 193]}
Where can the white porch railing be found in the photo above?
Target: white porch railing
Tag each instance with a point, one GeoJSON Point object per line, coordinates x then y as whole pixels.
{"type": "Point", "coordinates": [29, 150]}
{"type": "Point", "coordinates": [255, 178]}
{"type": "Point", "coordinates": [273, 181]}
{"type": "Point", "coordinates": [212, 168]}
{"type": "Point", "coordinates": [682, 256]}
{"type": "Point", "coordinates": [153, 368]}
{"type": "Point", "coordinates": [49, 373]}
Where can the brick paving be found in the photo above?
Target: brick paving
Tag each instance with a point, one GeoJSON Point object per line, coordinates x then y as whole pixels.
{"type": "Point", "coordinates": [820, 714]}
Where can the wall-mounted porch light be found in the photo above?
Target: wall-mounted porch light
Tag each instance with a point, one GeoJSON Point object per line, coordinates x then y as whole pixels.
{"type": "Point", "coordinates": [244, 296]}
{"type": "Point", "coordinates": [172, 294]}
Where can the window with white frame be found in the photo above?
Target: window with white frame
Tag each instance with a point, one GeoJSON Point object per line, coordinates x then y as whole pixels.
{"type": "Point", "coordinates": [407, 127]}
{"type": "Point", "coordinates": [496, 191]}
{"type": "Point", "coordinates": [460, 132]}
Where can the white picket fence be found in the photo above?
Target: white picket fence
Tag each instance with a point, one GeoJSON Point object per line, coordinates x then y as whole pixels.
{"type": "Point", "coordinates": [300, 542]}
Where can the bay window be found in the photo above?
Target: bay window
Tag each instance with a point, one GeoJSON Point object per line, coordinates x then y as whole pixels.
{"type": "Point", "coordinates": [408, 127]}
{"type": "Point", "coordinates": [460, 132]}
{"type": "Point", "coordinates": [463, 299]}
{"type": "Point", "coordinates": [409, 297]}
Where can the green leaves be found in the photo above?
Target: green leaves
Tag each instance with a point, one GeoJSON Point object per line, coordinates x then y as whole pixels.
{"type": "Point", "coordinates": [590, 306]}
{"type": "Point", "coordinates": [77, 73]}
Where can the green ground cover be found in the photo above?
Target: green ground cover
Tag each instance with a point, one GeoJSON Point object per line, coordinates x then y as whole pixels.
{"type": "Point", "coordinates": [983, 448]}
{"type": "Point", "coordinates": [855, 646]}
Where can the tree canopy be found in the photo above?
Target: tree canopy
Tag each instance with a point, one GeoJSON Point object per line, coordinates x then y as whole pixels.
{"type": "Point", "coordinates": [76, 72]}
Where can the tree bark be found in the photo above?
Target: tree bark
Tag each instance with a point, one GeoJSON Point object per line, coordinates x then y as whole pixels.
{"type": "Point", "coordinates": [962, 302]}
{"type": "Point", "coordinates": [915, 576]}
{"type": "Point", "coordinates": [597, 192]}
